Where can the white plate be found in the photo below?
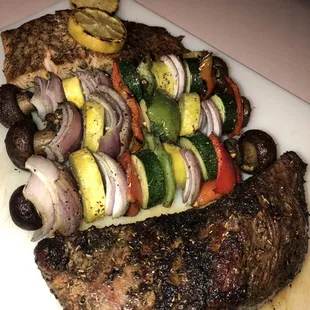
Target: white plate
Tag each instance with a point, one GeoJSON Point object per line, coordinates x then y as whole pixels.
{"type": "Point", "coordinates": [276, 111]}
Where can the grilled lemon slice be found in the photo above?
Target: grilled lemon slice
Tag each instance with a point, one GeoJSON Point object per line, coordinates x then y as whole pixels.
{"type": "Point", "coordinates": [97, 30]}
{"type": "Point", "coordinates": [88, 177]}
{"type": "Point", "coordinates": [109, 6]}
{"type": "Point", "coordinates": [93, 119]}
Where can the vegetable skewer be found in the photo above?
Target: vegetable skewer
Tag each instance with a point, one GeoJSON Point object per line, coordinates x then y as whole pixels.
{"type": "Point", "coordinates": [129, 182]}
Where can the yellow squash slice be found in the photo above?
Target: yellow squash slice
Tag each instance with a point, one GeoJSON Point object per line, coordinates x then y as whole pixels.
{"type": "Point", "coordinates": [88, 177]}
{"type": "Point", "coordinates": [164, 77]}
{"type": "Point", "coordinates": [93, 119]}
{"type": "Point", "coordinates": [177, 164]}
{"type": "Point", "coordinates": [73, 91]}
{"type": "Point", "coordinates": [189, 104]}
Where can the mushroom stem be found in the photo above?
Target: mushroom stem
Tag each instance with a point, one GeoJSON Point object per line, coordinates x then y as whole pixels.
{"type": "Point", "coordinates": [23, 101]}
{"type": "Point", "coordinates": [41, 139]}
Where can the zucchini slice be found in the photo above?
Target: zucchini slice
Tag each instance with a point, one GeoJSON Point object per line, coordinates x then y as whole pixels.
{"type": "Point", "coordinates": [131, 78]}
{"type": "Point", "coordinates": [195, 83]}
{"type": "Point", "coordinates": [228, 110]}
{"type": "Point", "coordinates": [147, 78]}
{"type": "Point", "coordinates": [166, 163]}
{"type": "Point", "coordinates": [143, 180]}
{"type": "Point", "coordinates": [152, 178]}
{"type": "Point", "coordinates": [203, 148]}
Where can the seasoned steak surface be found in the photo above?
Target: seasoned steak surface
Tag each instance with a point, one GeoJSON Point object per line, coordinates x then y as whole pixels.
{"type": "Point", "coordinates": [44, 43]}
{"type": "Point", "coordinates": [234, 253]}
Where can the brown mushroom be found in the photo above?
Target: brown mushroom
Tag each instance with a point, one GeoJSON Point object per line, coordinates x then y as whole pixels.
{"type": "Point", "coordinates": [24, 102]}
{"type": "Point", "coordinates": [23, 212]}
{"type": "Point", "coordinates": [220, 71]}
{"type": "Point", "coordinates": [220, 66]}
{"type": "Point", "coordinates": [42, 139]}
{"type": "Point", "coordinates": [258, 151]}
{"type": "Point", "coordinates": [247, 110]}
{"type": "Point", "coordinates": [19, 142]}
{"type": "Point", "coordinates": [14, 105]}
{"type": "Point", "coordinates": [10, 111]}
{"type": "Point", "coordinates": [232, 146]}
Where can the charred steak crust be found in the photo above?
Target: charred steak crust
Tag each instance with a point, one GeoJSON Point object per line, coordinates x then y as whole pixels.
{"type": "Point", "coordinates": [26, 48]}
{"type": "Point", "coordinates": [237, 252]}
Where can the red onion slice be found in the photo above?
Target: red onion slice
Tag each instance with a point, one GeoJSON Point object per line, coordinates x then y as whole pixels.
{"type": "Point", "coordinates": [54, 90]}
{"type": "Point", "coordinates": [120, 203]}
{"type": "Point", "coordinates": [46, 173]}
{"type": "Point", "coordinates": [38, 121]}
{"type": "Point", "coordinates": [110, 142]}
{"type": "Point", "coordinates": [217, 121]}
{"type": "Point", "coordinates": [126, 130]}
{"type": "Point", "coordinates": [50, 154]}
{"type": "Point", "coordinates": [112, 113]}
{"type": "Point", "coordinates": [45, 99]}
{"type": "Point", "coordinates": [174, 71]}
{"type": "Point", "coordinates": [56, 195]}
{"type": "Point", "coordinates": [69, 209]}
{"type": "Point", "coordinates": [116, 184]}
{"type": "Point", "coordinates": [52, 150]}
{"type": "Point", "coordinates": [110, 185]}
{"type": "Point", "coordinates": [43, 168]}
{"type": "Point", "coordinates": [208, 129]}
{"type": "Point", "coordinates": [181, 74]}
{"type": "Point", "coordinates": [36, 192]}
{"type": "Point", "coordinates": [91, 79]}
{"type": "Point", "coordinates": [36, 100]}
{"type": "Point", "coordinates": [193, 177]}
{"type": "Point", "coordinates": [69, 137]}
{"type": "Point", "coordinates": [40, 100]}
{"type": "Point", "coordinates": [47, 94]}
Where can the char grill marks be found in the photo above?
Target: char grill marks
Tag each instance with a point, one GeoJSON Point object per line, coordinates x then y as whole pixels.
{"type": "Point", "coordinates": [239, 251]}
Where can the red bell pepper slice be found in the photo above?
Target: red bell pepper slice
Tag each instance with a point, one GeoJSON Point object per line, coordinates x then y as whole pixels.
{"type": "Point", "coordinates": [206, 72]}
{"type": "Point", "coordinates": [226, 173]}
{"type": "Point", "coordinates": [134, 190]}
{"type": "Point", "coordinates": [137, 124]}
{"type": "Point", "coordinates": [127, 95]}
{"type": "Point", "coordinates": [117, 82]}
{"type": "Point", "coordinates": [207, 194]}
{"type": "Point", "coordinates": [238, 125]}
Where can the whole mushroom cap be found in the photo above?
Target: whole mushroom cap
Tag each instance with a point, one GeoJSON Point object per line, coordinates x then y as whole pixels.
{"type": "Point", "coordinates": [10, 111]}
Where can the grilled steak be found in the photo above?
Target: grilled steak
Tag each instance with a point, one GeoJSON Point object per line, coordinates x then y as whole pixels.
{"type": "Point", "coordinates": [45, 44]}
{"type": "Point", "coordinates": [234, 253]}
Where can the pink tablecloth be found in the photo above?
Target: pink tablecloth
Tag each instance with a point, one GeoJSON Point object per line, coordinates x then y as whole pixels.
{"type": "Point", "coordinates": [272, 37]}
